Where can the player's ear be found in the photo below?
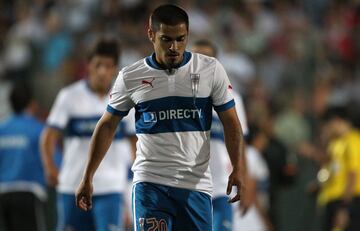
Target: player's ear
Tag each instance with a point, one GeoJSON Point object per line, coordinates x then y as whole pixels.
{"type": "Point", "coordinates": [151, 35]}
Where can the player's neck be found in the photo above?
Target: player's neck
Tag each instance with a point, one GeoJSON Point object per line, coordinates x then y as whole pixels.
{"type": "Point", "coordinates": [344, 129]}
{"type": "Point", "coordinates": [96, 90]}
{"type": "Point", "coordinates": [153, 62]}
{"type": "Point", "coordinates": [166, 67]}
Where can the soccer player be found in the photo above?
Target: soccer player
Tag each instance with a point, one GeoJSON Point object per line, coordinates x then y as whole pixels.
{"type": "Point", "coordinates": [173, 92]}
{"type": "Point", "coordinates": [220, 164]}
{"type": "Point", "coordinates": [340, 191]}
{"type": "Point", "coordinates": [22, 182]}
{"type": "Point", "coordinates": [74, 114]}
{"type": "Point", "coordinates": [257, 184]}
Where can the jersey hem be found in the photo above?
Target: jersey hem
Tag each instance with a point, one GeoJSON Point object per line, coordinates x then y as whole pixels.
{"type": "Point", "coordinates": [173, 185]}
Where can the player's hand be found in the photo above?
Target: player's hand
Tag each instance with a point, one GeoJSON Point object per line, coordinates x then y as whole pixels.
{"type": "Point", "coordinates": [236, 179]}
{"type": "Point", "coordinates": [84, 195]}
{"type": "Point", "coordinates": [51, 175]}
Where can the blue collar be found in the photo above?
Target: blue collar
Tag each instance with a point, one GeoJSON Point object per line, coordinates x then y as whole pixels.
{"type": "Point", "coordinates": [151, 61]}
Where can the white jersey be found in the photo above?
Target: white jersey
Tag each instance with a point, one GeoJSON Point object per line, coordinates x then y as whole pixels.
{"type": "Point", "coordinates": [258, 170]}
{"type": "Point", "coordinates": [220, 163]}
{"type": "Point", "coordinates": [173, 117]}
{"type": "Point", "coordinates": [76, 111]}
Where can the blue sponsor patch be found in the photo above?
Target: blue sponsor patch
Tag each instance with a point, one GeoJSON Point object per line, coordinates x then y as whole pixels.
{"type": "Point", "coordinates": [173, 114]}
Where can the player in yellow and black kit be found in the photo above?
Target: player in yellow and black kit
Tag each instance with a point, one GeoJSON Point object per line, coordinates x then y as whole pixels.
{"type": "Point", "coordinates": [340, 193]}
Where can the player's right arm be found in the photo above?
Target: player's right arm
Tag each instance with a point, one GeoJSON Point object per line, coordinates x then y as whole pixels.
{"type": "Point", "coordinates": [100, 143]}
{"type": "Point", "coordinates": [49, 139]}
{"type": "Point", "coordinates": [57, 122]}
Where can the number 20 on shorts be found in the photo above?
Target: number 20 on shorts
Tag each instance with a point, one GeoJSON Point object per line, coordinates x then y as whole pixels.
{"type": "Point", "coordinates": [152, 224]}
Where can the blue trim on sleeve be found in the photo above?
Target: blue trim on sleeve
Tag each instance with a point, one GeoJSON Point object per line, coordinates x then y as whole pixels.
{"type": "Point", "coordinates": [116, 112]}
{"type": "Point", "coordinates": [55, 127]}
{"type": "Point", "coordinates": [225, 106]}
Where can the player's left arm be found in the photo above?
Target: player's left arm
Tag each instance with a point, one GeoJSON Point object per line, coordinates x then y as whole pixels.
{"type": "Point", "coordinates": [235, 145]}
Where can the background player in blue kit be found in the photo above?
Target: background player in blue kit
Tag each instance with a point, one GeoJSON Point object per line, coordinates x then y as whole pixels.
{"type": "Point", "coordinates": [74, 114]}
{"type": "Point", "coordinates": [22, 182]}
{"type": "Point", "coordinates": [173, 92]}
{"type": "Point", "coordinates": [220, 164]}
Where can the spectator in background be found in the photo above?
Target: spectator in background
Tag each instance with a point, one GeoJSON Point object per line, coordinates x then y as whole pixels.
{"type": "Point", "coordinates": [22, 182]}
{"type": "Point", "coordinates": [220, 164]}
{"type": "Point", "coordinates": [5, 108]}
{"type": "Point", "coordinates": [59, 42]}
{"type": "Point", "coordinates": [74, 114]}
{"type": "Point", "coordinates": [291, 124]}
{"type": "Point", "coordinates": [340, 191]}
{"type": "Point", "coordinates": [282, 170]}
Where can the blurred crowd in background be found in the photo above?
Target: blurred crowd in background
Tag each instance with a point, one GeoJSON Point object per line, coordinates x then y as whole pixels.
{"type": "Point", "coordinates": [289, 59]}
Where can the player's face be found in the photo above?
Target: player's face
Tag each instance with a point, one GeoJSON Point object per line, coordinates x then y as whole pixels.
{"type": "Point", "coordinates": [205, 50]}
{"type": "Point", "coordinates": [169, 44]}
{"type": "Point", "coordinates": [101, 72]}
{"type": "Point", "coordinates": [332, 127]}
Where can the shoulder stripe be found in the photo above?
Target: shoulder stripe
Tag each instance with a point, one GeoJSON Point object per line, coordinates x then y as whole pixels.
{"type": "Point", "coordinates": [55, 127]}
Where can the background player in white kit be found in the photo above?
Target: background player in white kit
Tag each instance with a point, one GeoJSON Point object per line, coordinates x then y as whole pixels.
{"type": "Point", "coordinates": [74, 114]}
{"type": "Point", "coordinates": [173, 92]}
{"type": "Point", "coordinates": [257, 186]}
{"type": "Point", "coordinates": [220, 163]}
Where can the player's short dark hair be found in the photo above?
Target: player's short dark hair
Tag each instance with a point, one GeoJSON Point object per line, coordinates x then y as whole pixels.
{"type": "Point", "coordinates": [332, 112]}
{"type": "Point", "coordinates": [20, 97]}
{"type": "Point", "coordinates": [106, 47]}
{"type": "Point", "coordinates": [168, 14]}
{"type": "Point", "coordinates": [207, 43]}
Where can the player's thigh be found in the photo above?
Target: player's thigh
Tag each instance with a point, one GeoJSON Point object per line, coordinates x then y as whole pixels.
{"type": "Point", "coordinates": [70, 217]}
{"type": "Point", "coordinates": [107, 212]}
{"type": "Point", "coordinates": [152, 208]}
{"type": "Point", "coordinates": [222, 211]}
{"type": "Point", "coordinates": [354, 212]}
{"type": "Point", "coordinates": [194, 211]}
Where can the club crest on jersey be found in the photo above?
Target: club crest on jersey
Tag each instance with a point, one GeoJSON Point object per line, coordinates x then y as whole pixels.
{"type": "Point", "coordinates": [147, 82]}
{"type": "Point", "coordinates": [195, 79]}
